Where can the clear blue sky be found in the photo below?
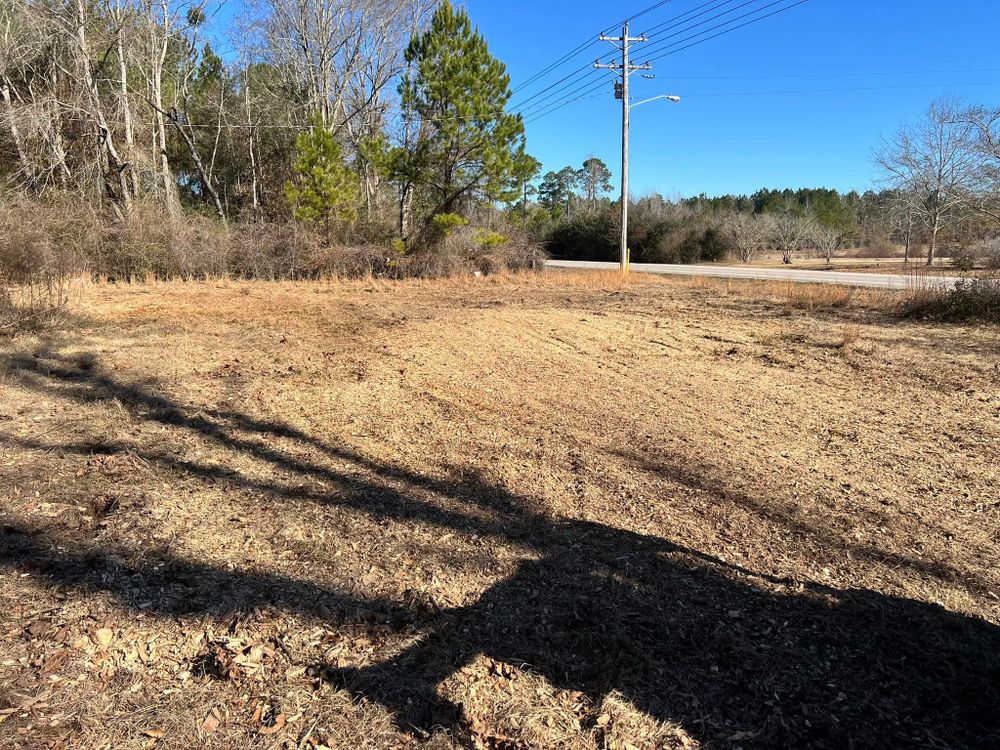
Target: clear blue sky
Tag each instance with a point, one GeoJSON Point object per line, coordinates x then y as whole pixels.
{"type": "Point", "coordinates": [721, 139]}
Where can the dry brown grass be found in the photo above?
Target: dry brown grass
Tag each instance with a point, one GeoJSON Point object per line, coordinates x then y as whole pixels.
{"type": "Point", "coordinates": [552, 511]}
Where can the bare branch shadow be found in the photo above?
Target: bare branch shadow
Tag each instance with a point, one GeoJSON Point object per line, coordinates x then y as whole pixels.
{"type": "Point", "coordinates": [686, 637]}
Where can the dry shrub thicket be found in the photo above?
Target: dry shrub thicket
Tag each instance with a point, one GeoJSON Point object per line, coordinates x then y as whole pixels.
{"type": "Point", "coordinates": [41, 249]}
{"type": "Point", "coordinates": [44, 245]}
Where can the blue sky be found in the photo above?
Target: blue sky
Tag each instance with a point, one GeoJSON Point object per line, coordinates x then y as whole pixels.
{"type": "Point", "coordinates": [723, 138]}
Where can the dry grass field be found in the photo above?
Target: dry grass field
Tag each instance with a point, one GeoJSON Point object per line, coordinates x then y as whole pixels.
{"type": "Point", "coordinates": [534, 512]}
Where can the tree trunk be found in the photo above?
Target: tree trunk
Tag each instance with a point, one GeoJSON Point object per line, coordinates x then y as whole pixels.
{"type": "Point", "coordinates": [126, 109]}
{"type": "Point", "coordinates": [405, 206]}
{"type": "Point", "coordinates": [206, 180]}
{"type": "Point", "coordinates": [105, 140]}
{"type": "Point", "coordinates": [157, 61]}
{"type": "Point", "coordinates": [255, 201]}
{"type": "Point", "coordinates": [932, 247]}
{"type": "Point", "coordinates": [15, 133]}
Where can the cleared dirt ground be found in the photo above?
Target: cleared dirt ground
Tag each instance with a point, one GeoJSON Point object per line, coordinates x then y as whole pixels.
{"type": "Point", "coordinates": [556, 512]}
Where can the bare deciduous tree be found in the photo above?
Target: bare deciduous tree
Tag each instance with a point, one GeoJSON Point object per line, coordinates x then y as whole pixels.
{"type": "Point", "coordinates": [826, 241]}
{"type": "Point", "coordinates": [933, 164]}
{"type": "Point", "coordinates": [904, 223]}
{"type": "Point", "coordinates": [790, 234]}
{"type": "Point", "coordinates": [749, 232]}
{"type": "Point", "coordinates": [986, 124]}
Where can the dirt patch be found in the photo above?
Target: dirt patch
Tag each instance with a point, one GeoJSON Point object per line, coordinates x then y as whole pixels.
{"type": "Point", "coordinates": [560, 511]}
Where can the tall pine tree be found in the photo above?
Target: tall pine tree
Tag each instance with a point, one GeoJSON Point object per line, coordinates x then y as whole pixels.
{"type": "Point", "coordinates": [466, 145]}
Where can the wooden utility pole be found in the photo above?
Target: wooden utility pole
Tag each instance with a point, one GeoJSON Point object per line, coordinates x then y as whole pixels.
{"type": "Point", "coordinates": [621, 92]}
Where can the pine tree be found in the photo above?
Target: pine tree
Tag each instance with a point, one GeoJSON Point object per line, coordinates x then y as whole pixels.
{"type": "Point", "coordinates": [594, 179]}
{"type": "Point", "coordinates": [455, 93]}
{"type": "Point", "coordinates": [557, 191]}
{"type": "Point", "coordinates": [325, 190]}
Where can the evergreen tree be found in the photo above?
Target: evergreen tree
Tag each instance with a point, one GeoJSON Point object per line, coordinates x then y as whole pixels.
{"type": "Point", "coordinates": [325, 189]}
{"type": "Point", "coordinates": [594, 179]}
{"type": "Point", "coordinates": [557, 190]}
{"type": "Point", "coordinates": [455, 95]}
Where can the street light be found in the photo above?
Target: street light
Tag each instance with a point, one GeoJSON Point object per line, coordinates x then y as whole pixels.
{"type": "Point", "coordinates": [671, 97]}
{"type": "Point", "coordinates": [625, 111]}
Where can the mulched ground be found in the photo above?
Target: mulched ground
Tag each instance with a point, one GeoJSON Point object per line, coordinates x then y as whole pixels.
{"type": "Point", "coordinates": [557, 512]}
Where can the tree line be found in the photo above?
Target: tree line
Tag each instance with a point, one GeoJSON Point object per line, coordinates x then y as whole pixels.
{"type": "Point", "coordinates": [385, 123]}
{"type": "Point", "coordinates": [359, 118]}
{"type": "Point", "coordinates": [940, 188]}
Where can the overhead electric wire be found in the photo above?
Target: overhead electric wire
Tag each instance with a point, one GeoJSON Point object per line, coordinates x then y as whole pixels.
{"type": "Point", "coordinates": [874, 74]}
{"type": "Point", "coordinates": [680, 44]}
{"type": "Point", "coordinates": [587, 94]}
{"type": "Point", "coordinates": [663, 43]}
{"type": "Point", "coordinates": [575, 78]}
{"type": "Point", "coordinates": [587, 72]}
{"type": "Point", "coordinates": [541, 74]}
{"type": "Point", "coordinates": [726, 31]}
{"type": "Point", "coordinates": [845, 89]}
{"type": "Point", "coordinates": [587, 44]}
{"type": "Point", "coordinates": [680, 18]}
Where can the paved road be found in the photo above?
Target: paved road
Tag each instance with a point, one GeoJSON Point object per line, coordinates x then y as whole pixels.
{"type": "Point", "coordinates": [873, 280]}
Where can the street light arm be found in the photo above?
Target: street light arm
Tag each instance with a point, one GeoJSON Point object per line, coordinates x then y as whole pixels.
{"type": "Point", "coordinates": [671, 97]}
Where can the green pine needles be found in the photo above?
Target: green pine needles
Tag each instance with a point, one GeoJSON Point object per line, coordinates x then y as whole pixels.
{"type": "Point", "coordinates": [462, 144]}
{"type": "Point", "coordinates": [325, 191]}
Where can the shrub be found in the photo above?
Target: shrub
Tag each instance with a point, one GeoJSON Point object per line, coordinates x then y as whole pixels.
{"type": "Point", "coordinates": [446, 223]}
{"type": "Point", "coordinates": [698, 244]}
{"type": "Point", "coordinates": [590, 236]}
{"type": "Point", "coordinates": [44, 243]}
{"type": "Point", "coordinates": [467, 249]}
{"type": "Point", "coordinates": [490, 239]}
{"type": "Point", "coordinates": [42, 248]}
{"type": "Point", "coordinates": [975, 299]}
{"type": "Point", "coordinates": [151, 242]}
{"type": "Point", "coordinates": [659, 232]}
{"type": "Point", "coordinates": [985, 253]}
{"type": "Point", "coordinates": [275, 251]}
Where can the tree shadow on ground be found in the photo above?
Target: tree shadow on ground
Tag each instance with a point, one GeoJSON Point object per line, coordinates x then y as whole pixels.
{"type": "Point", "coordinates": [718, 649]}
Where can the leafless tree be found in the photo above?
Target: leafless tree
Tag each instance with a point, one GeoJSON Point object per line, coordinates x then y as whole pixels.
{"type": "Point", "coordinates": [790, 233]}
{"type": "Point", "coordinates": [933, 164]}
{"type": "Point", "coordinates": [749, 232]}
{"type": "Point", "coordinates": [826, 241]}
{"type": "Point", "coordinates": [904, 223]}
{"type": "Point", "coordinates": [986, 125]}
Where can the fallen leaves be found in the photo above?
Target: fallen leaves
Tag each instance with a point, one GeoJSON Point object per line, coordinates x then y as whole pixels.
{"type": "Point", "coordinates": [211, 722]}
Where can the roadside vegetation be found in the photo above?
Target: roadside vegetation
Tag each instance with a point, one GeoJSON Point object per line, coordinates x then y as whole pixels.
{"type": "Point", "coordinates": [130, 150]}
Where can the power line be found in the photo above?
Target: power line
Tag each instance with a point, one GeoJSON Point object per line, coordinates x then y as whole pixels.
{"type": "Point", "coordinates": [590, 42]}
{"type": "Point", "coordinates": [574, 79]}
{"type": "Point", "coordinates": [588, 85]}
{"type": "Point", "coordinates": [786, 76]}
{"type": "Point", "coordinates": [726, 31]}
{"type": "Point", "coordinates": [899, 87]}
{"type": "Point", "coordinates": [540, 74]}
{"type": "Point", "coordinates": [662, 43]}
{"type": "Point", "coordinates": [563, 104]}
{"type": "Point", "coordinates": [585, 94]}
{"type": "Point", "coordinates": [581, 79]}
{"type": "Point", "coordinates": [680, 18]}
{"type": "Point", "coordinates": [587, 71]}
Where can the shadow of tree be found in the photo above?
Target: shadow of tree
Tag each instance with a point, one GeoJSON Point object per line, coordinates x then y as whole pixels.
{"type": "Point", "coordinates": [705, 479]}
{"type": "Point", "coordinates": [686, 637]}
